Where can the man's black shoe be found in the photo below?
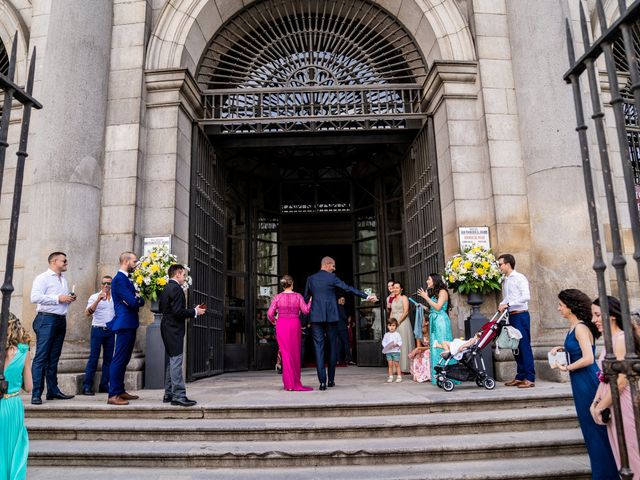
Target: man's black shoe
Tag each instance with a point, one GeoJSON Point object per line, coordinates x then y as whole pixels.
{"type": "Point", "coordinates": [331, 384]}
{"type": "Point", "coordinates": [167, 399]}
{"type": "Point", "coordinates": [88, 392]}
{"type": "Point", "coordinates": [323, 386]}
{"type": "Point", "coordinates": [36, 401]}
{"type": "Point", "coordinates": [183, 402]}
{"type": "Point", "coordinates": [59, 396]}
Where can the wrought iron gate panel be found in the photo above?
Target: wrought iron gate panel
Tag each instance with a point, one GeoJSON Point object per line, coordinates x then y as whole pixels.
{"type": "Point", "coordinates": [205, 334]}
{"type": "Point", "coordinates": [618, 36]}
{"type": "Point", "coordinates": [422, 209]}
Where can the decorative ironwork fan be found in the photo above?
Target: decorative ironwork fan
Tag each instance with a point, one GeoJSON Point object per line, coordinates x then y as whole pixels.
{"type": "Point", "coordinates": [4, 59]}
{"type": "Point", "coordinates": [301, 43]}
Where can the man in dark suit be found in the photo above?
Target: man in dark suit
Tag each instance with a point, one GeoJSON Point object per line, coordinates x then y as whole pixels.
{"type": "Point", "coordinates": [126, 303]}
{"type": "Point", "coordinates": [173, 307]}
{"type": "Point", "coordinates": [323, 286]}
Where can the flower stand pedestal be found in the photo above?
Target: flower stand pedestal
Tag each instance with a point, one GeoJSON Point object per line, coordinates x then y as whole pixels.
{"type": "Point", "coordinates": [155, 353]}
{"type": "Point", "coordinates": [473, 323]}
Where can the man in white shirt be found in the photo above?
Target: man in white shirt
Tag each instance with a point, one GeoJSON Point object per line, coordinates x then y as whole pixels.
{"type": "Point", "coordinates": [50, 292]}
{"type": "Point", "coordinates": [100, 305]}
{"type": "Point", "coordinates": [515, 288]}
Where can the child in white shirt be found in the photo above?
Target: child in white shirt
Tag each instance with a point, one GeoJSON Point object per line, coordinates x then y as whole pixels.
{"type": "Point", "coordinates": [391, 343]}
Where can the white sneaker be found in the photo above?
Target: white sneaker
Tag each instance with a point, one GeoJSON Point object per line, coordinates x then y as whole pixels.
{"type": "Point", "coordinates": [390, 379]}
{"type": "Point", "coordinates": [398, 380]}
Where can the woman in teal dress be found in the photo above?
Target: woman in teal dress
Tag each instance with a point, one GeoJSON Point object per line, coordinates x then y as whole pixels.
{"type": "Point", "coordinates": [14, 442]}
{"type": "Point", "coordinates": [437, 297]}
{"type": "Point", "coordinates": [579, 344]}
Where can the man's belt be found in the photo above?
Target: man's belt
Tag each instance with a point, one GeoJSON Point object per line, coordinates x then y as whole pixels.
{"type": "Point", "coordinates": [52, 315]}
{"type": "Point", "coordinates": [516, 312]}
{"type": "Point", "coordinates": [105, 328]}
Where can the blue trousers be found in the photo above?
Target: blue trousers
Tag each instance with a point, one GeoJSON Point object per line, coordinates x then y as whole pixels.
{"type": "Point", "coordinates": [104, 340]}
{"type": "Point", "coordinates": [125, 340]}
{"type": "Point", "coordinates": [324, 335]}
{"type": "Point", "coordinates": [524, 358]}
{"type": "Point", "coordinates": [50, 331]}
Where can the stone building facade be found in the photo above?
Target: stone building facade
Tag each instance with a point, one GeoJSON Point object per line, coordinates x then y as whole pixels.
{"type": "Point", "coordinates": [111, 152]}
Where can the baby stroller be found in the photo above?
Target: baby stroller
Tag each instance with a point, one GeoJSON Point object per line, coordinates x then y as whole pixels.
{"type": "Point", "coordinates": [470, 366]}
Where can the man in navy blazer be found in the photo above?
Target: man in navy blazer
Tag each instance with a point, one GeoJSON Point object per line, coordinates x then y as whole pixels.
{"type": "Point", "coordinates": [323, 287]}
{"type": "Point", "coordinates": [126, 303]}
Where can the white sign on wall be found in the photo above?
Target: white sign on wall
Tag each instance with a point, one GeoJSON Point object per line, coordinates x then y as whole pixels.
{"type": "Point", "coordinates": [473, 237]}
{"type": "Point", "coordinates": [150, 242]}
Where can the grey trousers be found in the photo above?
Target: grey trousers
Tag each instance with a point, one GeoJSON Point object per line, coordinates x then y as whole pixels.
{"type": "Point", "coordinates": [173, 381]}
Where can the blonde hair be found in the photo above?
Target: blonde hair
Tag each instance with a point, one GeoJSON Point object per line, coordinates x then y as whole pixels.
{"type": "Point", "coordinates": [16, 333]}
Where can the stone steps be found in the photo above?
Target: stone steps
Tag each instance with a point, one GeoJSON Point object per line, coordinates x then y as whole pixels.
{"type": "Point", "coordinates": [267, 454]}
{"type": "Point", "coordinates": [568, 467]}
{"type": "Point", "coordinates": [308, 428]}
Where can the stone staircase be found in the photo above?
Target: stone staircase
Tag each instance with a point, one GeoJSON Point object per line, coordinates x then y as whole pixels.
{"type": "Point", "coordinates": [470, 433]}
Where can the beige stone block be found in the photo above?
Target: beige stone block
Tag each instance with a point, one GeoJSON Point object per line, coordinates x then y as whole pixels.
{"type": "Point", "coordinates": [120, 164]}
{"type": "Point", "coordinates": [158, 221]}
{"type": "Point", "coordinates": [494, 48]}
{"type": "Point", "coordinates": [185, 124]}
{"type": "Point", "coordinates": [468, 158]}
{"type": "Point", "coordinates": [127, 13]}
{"type": "Point", "coordinates": [512, 103]}
{"type": "Point", "coordinates": [227, 8]}
{"type": "Point", "coordinates": [162, 140]}
{"type": "Point", "coordinates": [450, 245]}
{"type": "Point", "coordinates": [119, 192]}
{"type": "Point", "coordinates": [181, 225]}
{"type": "Point", "coordinates": [117, 219]}
{"type": "Point", "coordinates": [391, 6]}
{"type": "Point", "coordinates": [160, 167]}
{"type": "Point", "coordinates": [462, 109]}
{"type": "Point", "coordinates": [511, 208]}
{"type": "Point", "coordinates": [627, 242]}
{"type": "Point", "coordinates": [128, 35]}
{"type": "Point", "coordinates": [495, 101]}
{"type": "Point", "coordinates": [505, 153]}
{"type": "Point", "coordinates": [184, 147]}
{"type": "Point", "coordinates": [183, 172]}
{"type": "Point", "coordinates": [508, 181]}
{"type": "Point", "coordinates": [125, 84]}
{"type": "Point", "coordinates": [496, 73]}
{"type": "Point", "coordinates": [159, 194]}
{"type": "Point", "coordinates": [468, 186]}
{"type": "Point", "coordinates": [123, 111]}
{"type": "Point", "coordinates": [111, 246]}
{"type": "Point", "coordinates": [490, 6]}
{"type": "Point", "coordinates": [209, 19]}
{"type": "Point", "coordinates": [491, 25]}
{"type": "Point", "coordinates": [121, 137]}
{"type": "Point", "coordinates": [513, 237]}
{"type": "Point", "coordinates": [449, 220]}
{"type": "Point", "coordinates": [474, 212]}
{"type": "Point", "coordinates": [502, 127]}
{"type": "Point", "coordinates": [162, 117]}
{"type": "Point", "coordinates": [196, 42]}
{"type": "Point", "coordinates": [440, 119]}
{"type": "Point", "coordinates": [180, 247]}
{"type": "Point", "coordinates": [444, 162]}
{"type": "Point", "coordinates": [410, 15]}
{"type": "Point", "coordinates": [182, 198]}
{"type": "Point", "coordinates": [127, 57]}
{"type": "Point", "coordinates": [463, 132]}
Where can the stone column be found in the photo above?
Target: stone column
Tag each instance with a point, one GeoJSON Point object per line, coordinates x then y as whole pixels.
{"type": "Point", "coordinates": [561, 250]}
{"type": "Point", "coordinates": [66, 154]}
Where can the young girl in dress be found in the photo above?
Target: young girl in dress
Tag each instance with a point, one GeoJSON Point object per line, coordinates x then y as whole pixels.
{"type": "Point", "coordinates": [14, 441]}
{"type": "Point", "coordinates": [420, 357]}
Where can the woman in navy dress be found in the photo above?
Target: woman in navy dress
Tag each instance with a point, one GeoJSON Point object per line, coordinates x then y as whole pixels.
{"type": "Point", "coordinates": [575, 307]}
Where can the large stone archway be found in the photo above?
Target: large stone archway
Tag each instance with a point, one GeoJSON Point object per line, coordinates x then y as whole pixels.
{"type": "Point", "coordinates": [10, 23]}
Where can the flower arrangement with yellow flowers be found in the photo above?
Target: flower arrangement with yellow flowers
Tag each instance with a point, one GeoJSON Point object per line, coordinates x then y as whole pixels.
{"type": "Point", "coordinates": [474, 270]}
{"type": "Point", "coordinates": [151, 275]}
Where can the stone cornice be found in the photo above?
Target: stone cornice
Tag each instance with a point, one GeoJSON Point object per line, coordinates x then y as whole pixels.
{"type": "Point", "coordinates": [175, 87]}
{"type": "Point", "coordinates": [449, 80]}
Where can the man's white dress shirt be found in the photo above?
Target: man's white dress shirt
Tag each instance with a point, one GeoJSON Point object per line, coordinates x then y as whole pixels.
{"type": "Point", "coordinates": [46, 289]}
{"type": "Point", "coordinates": [516, 292]}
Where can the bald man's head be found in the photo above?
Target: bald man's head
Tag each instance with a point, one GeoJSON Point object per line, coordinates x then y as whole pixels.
{"type": "Point", "coordinates": [328, 264]}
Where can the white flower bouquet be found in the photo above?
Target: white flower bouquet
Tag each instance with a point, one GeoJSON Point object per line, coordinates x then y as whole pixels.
{"type": "Point", "coordinates": [475, 269]}
{"type": "Point", "coordinates": [152, 273]}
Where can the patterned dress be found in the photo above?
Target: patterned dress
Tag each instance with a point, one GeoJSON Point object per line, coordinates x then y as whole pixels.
{"type": "Point", "coordinates": [14, 441]}
{"type": "Point", "coordinates": [439, 331]}
{"type": "Point", "coordinates": [421, 364]}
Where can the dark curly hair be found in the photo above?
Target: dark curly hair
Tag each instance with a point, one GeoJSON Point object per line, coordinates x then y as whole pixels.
{"type": "Point", "coordinates": [439, 284]}
{"type": "Point", "coordinates": [615, 311]}
{"type": "Point", "coordinates": [580, 305]}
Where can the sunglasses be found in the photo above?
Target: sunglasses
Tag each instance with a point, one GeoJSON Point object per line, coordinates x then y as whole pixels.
{"type": "Point", "coordinates": [106, 283]}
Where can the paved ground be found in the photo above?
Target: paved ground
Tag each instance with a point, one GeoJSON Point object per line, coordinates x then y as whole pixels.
{"type": "Point", "coordinates": [354, 385]}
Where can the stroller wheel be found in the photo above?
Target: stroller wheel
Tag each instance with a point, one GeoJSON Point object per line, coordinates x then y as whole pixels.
{"type": "Point", "coordinates": [447, 385]}
{"type": "Point", "coordinates": [438, 383]}
{"type": "Point", "coordinates": [489, 383]}
{"type": "Point", "coordinates": [479, 382]}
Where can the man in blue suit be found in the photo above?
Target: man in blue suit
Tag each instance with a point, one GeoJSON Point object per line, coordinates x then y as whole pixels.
{"type": "Point", "coordinates": [126, 303]}
{"type": "Point", "coordinates": [323, 287]}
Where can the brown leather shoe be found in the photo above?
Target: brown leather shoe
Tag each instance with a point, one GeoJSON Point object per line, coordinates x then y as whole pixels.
{"type": "Point", "coordinates": [513, 383]}
{"type": "Point", "coordinates": [128, 396]}
{"type": "Point", "coordinates": [117, 400]}
{"type": "Point", "coordinates": [526, 384]}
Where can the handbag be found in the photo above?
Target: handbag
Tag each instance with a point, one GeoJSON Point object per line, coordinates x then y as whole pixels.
{"type": "Point", "coordinates": [509, 338]}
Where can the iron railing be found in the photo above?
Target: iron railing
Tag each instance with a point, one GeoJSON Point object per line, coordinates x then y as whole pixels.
{"type": "Point", "coordinates": [23, 95]}
{"type": "Point", "coordinates": [603, 46]}
{"type": "Point", "coordinates": [313, 109]}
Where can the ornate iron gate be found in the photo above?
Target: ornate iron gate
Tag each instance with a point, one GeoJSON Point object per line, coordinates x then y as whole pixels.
{"type": "Point", "coordinates": [422, 209]}
{"type": "Point", "coordinates": [205, 334]}
{"type": "Point", "coordinates": [620, 31]}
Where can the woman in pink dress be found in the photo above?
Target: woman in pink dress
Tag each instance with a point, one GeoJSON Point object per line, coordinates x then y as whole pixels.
{"type": "Point", "coordinates": [288, 306]}
{"type": "Point", "coordinates": [603, 401]}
